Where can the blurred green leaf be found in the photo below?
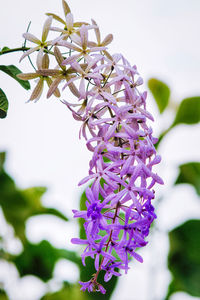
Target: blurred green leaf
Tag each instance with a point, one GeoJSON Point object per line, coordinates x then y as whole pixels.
{"type": "Point", "coordinates": [81, 221]}
{"type": "Point", "coordinates": [51, 211]}
{"type": "Point", "coordinates": [68, 292]}
{"type": "Point", "coordinates": [19, 205]}
{"type": "Point", "coordinates": [13, 71]}
{"type": "Point", "coordinates": [33, 197]}
{"type": "Point", "coordinates": [2, 159]}
{"type": "Point", "coordinates": [37, 259]}
{"type": "Point", "coordinates": [40, 259]}
{"type": "Point", "coordinates": [70, 255]}
{"type": "Point", "coordinates": [3, 295]}
{"type": "Point", "coordinates": [190, 173]}
{"type": "Point", "coordinates": [3, 104]}
{"type": "Point", "coordinates": [188, 111]}
{"type": "Point", "coordinates": [161, 93]}
{"type": "Point", "coordinates": [184, 258]}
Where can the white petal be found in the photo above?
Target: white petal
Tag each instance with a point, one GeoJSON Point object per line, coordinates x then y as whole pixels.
{"type": "Point", "coordinates": [84, 36]}
{"type": "Point", "coordinates": [108, 39]}
{"type": "Point", "coordinates": [39, 59]}
{"type": "Point", "coordinates": [69, 21]}
{"type": "Point", "coordinates": [29, 52]}
{"type": "Point", "coordinates": [76, 38]}
{"type": "Point", "coordinates": [46, 28]}
{"type": "Point", "coordinates": [32, 38]}
{"type": "Point", "coordinates": [97, 32]}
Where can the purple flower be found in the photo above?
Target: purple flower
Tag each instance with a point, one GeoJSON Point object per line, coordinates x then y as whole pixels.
{"type": "Point", "coordinates": [115, 124]}
{"type": "Point", "coordinates": [92, 286]}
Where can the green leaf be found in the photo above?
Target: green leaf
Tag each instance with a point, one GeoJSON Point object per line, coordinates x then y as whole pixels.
{"type": "Point", "coordinates": [5, 49]}
{"type": "Point", "coordinates": [3, 295]}
{"type": "Point", "coordinates": [81, 221]}
{"type": "Point", "coordinates": [161, 93]}
{"type": "Point", "coordinates": [190, 173]}
{"type": "Point", "coordinates": [33, 196]}
{"type": "Point", "coordinates": [19, 205]}
{"type": "Point", "coordinates": [51, 211]}
{"type": "Point", "coordinates": [184, 258]}
{"type": "Point", "coordinates": [70, 255]}
{"type": "Point", "coordinates": [13, 71]}
{"type": "Point", "coordinates": [2, 160]}
{"type": "Point", "coordinates": [37, 259]}
{"type": "Point", "coordinates": [3, 104]}
{"type": "Point", "coordinates": [71, 292]}
{"type": "Point", "coordinates": [40, 259]}
{"type": "Point", "coordinates": [188, 111]}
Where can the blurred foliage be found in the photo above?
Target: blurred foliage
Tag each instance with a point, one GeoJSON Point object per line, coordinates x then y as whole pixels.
{"type": "Point", "coordinates": [69, 291]}
{"type": "Point", "coordinates": [19, 205]}
{"type": "Point", "coordinates": [40, 259]}
{"type": "Point", "coordinates": [190, 173]}
{"type": "Point", "coordinates": [81, 221]}
{"type": "Point", "coordinates": [3, 295]}
{"type": "Point", "coordinates": [184, 258]}
{"type": "Point", "coordinates": [3, 104]}
{"type": "Point", "coordinates": [160, 92]}
{"type": "Point", "coordinates": [188, 111]}
{"type": "Point", "coordinates": [184, 252]}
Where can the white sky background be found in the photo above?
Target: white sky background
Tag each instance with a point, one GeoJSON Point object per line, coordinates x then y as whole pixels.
{"type": "Point", "coordinates": [162, 39]}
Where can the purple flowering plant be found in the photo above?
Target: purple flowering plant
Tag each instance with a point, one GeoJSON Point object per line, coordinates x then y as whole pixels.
{"type": "Point", "coordinates": [107, 100]}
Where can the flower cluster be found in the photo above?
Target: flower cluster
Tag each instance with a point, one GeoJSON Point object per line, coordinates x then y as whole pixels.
{"type": "Point", "coordinates": [114, 124]}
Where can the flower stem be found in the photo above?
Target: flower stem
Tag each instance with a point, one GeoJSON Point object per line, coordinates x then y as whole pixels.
{"type": "Point", "coordinates": [21, 49]}
{"type": "Point", "coordinates": [108, 242]}
{"type": "Point", "coordinates": [13, 50]}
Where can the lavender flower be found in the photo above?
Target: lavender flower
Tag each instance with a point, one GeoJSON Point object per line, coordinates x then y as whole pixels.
{"type": "Point", "coordinates": [115, 125]}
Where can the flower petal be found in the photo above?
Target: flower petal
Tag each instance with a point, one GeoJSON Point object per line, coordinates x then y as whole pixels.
{"type": "Point", "coordinates": [27, 53]}
{"type": "Point", "coordinates": [68, 45]}
{"type": "Point", "coordinates": [37, 90]}
{"type": "Point", "coordinates": [45, 61]}
{"type": "Point", "coordinates": [46, 28]}
{"type": "Point", "coordinates": [54, 86]}
{"type": "Point", "coordinates": [69, 21]}
{"type": "Point", "coordinates": [32, 38]}
{"type": "Point", "coordinates": [65, 7]}
{"type": "Point", "coordinates": [97, 32]}
{"type": "Point", "coordinates": [27, 76]}
{"type": "Point", "coordinates": [59, 57]}
{"type": "Point", "coordinates": [84, 36]}
{"type": "Point", "coordinates": [108, 39]}
{"type": "Point", "coordinates": [39, 59]}
{"type": "Point", "coordinates": [57, 18]}
{"type": "Point", "coordinates": [49, 82]}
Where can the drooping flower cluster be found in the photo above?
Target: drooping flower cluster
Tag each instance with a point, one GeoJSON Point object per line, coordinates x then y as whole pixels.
{"type": "Point", "coordinates": [114, 124]}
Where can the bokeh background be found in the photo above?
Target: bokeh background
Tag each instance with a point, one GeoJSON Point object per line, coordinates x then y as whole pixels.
{"type": "Point", "coordinates": [43, 149]}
